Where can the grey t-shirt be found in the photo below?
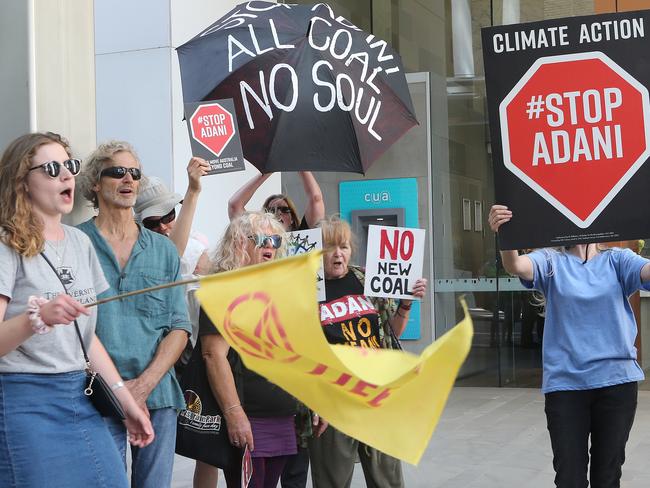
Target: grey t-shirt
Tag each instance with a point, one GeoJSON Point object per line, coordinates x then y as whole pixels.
{"type": "Point", "coordinates": [58, 351]}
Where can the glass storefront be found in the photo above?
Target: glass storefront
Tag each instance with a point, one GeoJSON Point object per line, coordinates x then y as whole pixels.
{"type": "Point", "coordinates": [442, 39]}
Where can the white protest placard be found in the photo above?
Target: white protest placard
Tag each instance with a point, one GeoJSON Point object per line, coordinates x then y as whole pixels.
{"type": "Point", "coordinates": [394, 260]}
{"type": "Point", "coordinates": [302, 241]}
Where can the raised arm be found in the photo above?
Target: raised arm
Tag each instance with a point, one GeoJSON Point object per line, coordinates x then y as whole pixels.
{"type": "Point", "coordinates": [237, 203]}
{"type": "Point", "coordinates": [315, 211]}
{"type": "Point", "coordinates": [513, 263]}
{"type": "Point", "coordinates": [645, 273]}
{"type": "Point", "coordinates": [180, 233]}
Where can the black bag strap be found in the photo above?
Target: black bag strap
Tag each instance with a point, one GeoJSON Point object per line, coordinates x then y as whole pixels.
{"type": "Point", "coordinates": [76, 325]}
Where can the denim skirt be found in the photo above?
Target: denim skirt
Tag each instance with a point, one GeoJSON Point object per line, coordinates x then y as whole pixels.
{"type": "Point", "coordinates": [52, 436]}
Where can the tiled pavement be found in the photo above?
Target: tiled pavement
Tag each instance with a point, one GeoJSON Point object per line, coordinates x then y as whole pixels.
{"type": "Point", "coordinates": [493, 438]}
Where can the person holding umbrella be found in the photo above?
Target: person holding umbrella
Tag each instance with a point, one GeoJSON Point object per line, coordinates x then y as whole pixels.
{"type": "Point", "coordinates": [591, 374]}
{"type": "Point", "coordinates": [281, 205]}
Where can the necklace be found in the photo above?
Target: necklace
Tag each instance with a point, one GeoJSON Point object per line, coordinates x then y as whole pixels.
{"type": "Point", "coordinates": [59, 248]}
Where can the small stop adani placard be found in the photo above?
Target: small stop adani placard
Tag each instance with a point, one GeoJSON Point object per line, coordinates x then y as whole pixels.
{"type": "Point", "coordinates": [214, 134]}
{"type": "Point", "coordinates": [394, 260]}
{"type": "Point", "coordinates": [570, 125]}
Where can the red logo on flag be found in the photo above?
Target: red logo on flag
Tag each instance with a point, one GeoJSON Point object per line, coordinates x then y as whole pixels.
{"type": "Point", "coordinates": [575, 129]}
{"type": "Point", "coordinates": [213, 127]}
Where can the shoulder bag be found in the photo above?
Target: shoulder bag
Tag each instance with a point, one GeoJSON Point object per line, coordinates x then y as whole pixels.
{"type": "Point", "coordinates": [97, 390]}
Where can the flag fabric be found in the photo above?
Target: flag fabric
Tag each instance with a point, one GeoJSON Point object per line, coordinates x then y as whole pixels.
{"type": "Point", "coordinates": [390, 400]}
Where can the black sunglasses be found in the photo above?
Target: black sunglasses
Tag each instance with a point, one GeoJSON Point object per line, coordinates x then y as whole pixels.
{"type": "Point", "coordinates": [53, 168]}
{"type": "Point", "coordinates": [152, 223]}
{"type": "Point", "coordinates": [277, 210]}
{"type": "Point", "coordinates": [261, 240]}
{"type": "Point", "coordinates": [119, 172]}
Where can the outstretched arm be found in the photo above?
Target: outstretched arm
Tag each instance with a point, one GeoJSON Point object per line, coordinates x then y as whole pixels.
{"type": "Point", "coordinates": [513, 263]}
{"type": "Point", "coordinates": [239, 200]}
{"type": "Point", "coordinates": [196, 168]}
{"type": "Point", "coordinates": [16, 330]}
{"type": "Point", "coordinates": [315, 211]}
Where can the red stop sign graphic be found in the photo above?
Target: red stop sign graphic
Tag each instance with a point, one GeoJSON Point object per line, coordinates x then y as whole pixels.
{"type": "Point", "coordinates": [213, 127]}
{"type": "Point", "coordinates": [575, 129]}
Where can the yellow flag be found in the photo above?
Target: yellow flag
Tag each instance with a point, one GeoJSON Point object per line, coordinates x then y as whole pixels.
{"type": "Point", "coordinates": [390, 400]}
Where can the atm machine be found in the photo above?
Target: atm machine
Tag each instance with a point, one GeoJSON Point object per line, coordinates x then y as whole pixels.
{"type": "Point", "coordinates": [390, 202]}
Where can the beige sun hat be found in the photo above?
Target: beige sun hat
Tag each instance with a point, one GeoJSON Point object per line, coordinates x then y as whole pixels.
{"type": "Point", "coordinates": [155, 200]}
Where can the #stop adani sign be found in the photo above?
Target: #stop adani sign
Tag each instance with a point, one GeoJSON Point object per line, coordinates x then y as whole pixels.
{"type": "Point", "coordinates": [214, 134]}
{"type": "Point", "coordinates": [571, 121]}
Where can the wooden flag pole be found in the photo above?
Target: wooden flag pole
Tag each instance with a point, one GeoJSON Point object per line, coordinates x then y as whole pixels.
{"type": "Point", "coordinates": [144, 290]}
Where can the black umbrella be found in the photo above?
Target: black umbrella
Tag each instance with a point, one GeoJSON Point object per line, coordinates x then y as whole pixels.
{"type": "Point", "coordinates": [311, 90]}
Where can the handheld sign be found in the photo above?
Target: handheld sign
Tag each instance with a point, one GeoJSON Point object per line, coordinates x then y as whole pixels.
{"type": "Point", "coordinates": [302, 241]}
{"type": "Point", "coordinates": [570, 126]}
{"type": "Point", "coordinates": [393, 261]}
{"type": "Point", "coordinates": [214, 135]}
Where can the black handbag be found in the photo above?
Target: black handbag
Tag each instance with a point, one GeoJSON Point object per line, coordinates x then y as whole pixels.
{"type": "Point", "coordinates": [201, 431]}
{"type": "Point", "coordinates": [97, 390]}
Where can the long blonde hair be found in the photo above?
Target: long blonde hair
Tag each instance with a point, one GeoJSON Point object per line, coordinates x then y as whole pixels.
{"type": "Point", "coordinates": [22, 230]}
{"type": "Point", "coordinates": [231, 253]}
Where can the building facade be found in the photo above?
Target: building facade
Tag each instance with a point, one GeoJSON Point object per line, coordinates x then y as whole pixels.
{"type": "Point", "coordinates": [108, 69]}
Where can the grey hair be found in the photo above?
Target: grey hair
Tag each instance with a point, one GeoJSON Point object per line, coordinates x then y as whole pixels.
{"type": "Point", "coordinates": [94, 165]}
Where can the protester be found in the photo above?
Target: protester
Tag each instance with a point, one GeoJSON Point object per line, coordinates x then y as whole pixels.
{"type": "Point", "coordinates": [144, 334]}
{"type": "Point", "coordinates": [155, 209]}
{"type": "Point", "coordinates": [50, 433]}
{"type": "Point", "coordinates": [264, 418]}
{"type": "Point", "coordinates": [590, 372]}
{"type": "Point", "coordinates": [281, 205]}
{"type": "Point", "coordinates": [375, 323]}
{"type": "Point", "coordinates": [297, 467]}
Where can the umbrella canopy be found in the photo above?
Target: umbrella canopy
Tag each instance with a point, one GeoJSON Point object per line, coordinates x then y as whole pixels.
{"type": "Point", "coordinates": [312, 91]}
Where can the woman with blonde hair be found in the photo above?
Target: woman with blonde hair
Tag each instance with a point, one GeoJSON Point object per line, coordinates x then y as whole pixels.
{"type": "Point", "coordinates": [349, 317]}
{"type": "Point", "coordinates": [264, 418]}
{"type": "Point", "coordinates": [50, 433]}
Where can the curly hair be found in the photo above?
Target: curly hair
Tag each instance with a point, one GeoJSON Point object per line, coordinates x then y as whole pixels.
{"type": "Point", "coordinates": [231, 253]}
{"type": "Point", "coordinates": [295, 221]}
{"type": "Point", "coordinates": [22, 230]}
{"type": "Point", "coordinates": [94, 165]}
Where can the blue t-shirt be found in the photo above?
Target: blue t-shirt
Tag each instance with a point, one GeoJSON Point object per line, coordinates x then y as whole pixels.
{"type": "Point", "coordinates": [589, 330]}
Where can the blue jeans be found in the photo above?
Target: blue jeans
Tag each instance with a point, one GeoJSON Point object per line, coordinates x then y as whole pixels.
{"type": "Point", "coordinates": [151, 466]}
{"type": "Point", "coordinates": [51, 435]}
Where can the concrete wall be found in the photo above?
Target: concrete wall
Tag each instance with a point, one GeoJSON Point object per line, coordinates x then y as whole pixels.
{"type": "Point", "coordinates": [139, 96]}
{"type": "Point", "coordinates": [14, 75]}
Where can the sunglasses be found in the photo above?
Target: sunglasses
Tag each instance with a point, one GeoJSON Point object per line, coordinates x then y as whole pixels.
{"type": "Point", "coordinates": [262, 240]}
{"type": "Point", "coordinates": [152, 223]}
{"type": "Point", "coordinates": [119, 172]}
{"type": "Point", "coordinates": [277, 210]}
{"type": "Point", "coordinates": [53, 168]}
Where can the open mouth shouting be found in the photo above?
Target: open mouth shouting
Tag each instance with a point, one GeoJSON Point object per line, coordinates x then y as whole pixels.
{"type": "Point", "coordinates": [268, 254]}
{"type": "Point", "coordinates": [67, 195]}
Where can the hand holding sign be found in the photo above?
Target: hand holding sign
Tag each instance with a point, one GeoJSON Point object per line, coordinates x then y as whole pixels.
{"type": "Point", "coordinates": [394, 262]}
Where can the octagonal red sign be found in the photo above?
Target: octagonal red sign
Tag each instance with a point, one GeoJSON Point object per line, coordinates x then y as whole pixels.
{"type": "Point", "coordinates": [213, 127]}
{"type": "Point", "coordinates": [575, 129]}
